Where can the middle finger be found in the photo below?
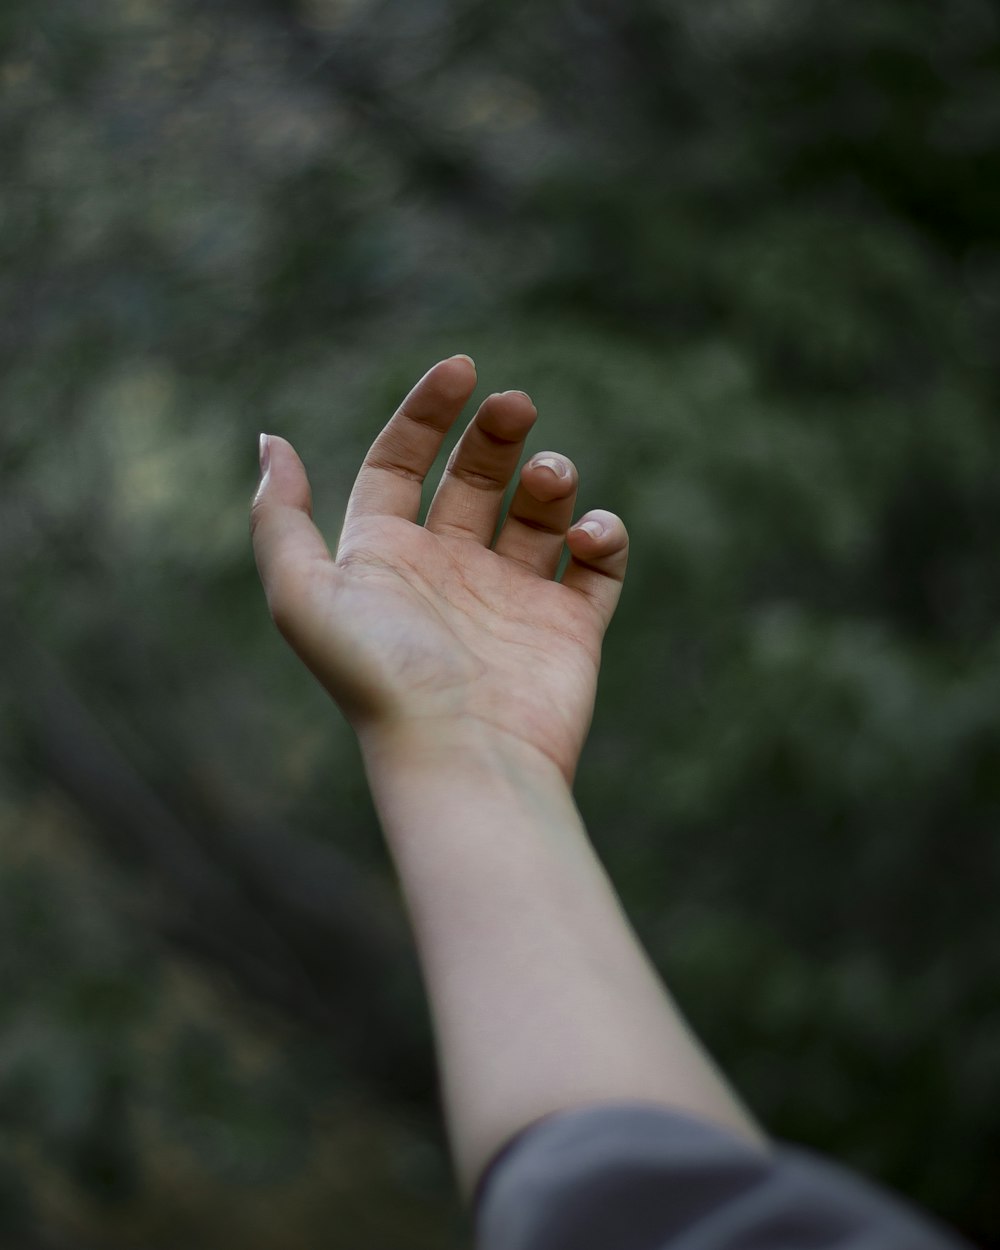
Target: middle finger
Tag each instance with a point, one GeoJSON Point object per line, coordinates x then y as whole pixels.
{"type": "Point", "coordinates": [469, 497]}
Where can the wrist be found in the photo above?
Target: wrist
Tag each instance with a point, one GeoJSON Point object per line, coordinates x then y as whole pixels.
{"type": "Point", "coordinates": [431, 747]}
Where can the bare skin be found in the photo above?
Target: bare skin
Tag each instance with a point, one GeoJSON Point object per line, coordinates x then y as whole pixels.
{"type": "Point", "coordinates": [414, 623]}
{"type": "Point", "coordinates": [470, 674]}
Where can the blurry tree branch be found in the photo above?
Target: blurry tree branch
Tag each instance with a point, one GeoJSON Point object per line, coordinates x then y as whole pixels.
{"type": "Point", "coordinates": [295, 923]}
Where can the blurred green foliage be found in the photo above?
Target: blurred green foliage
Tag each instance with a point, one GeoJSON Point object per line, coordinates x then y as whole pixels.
{"type": "Point", "coordinates": [745, 256]}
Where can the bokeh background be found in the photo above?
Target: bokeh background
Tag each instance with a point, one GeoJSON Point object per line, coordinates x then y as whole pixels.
{"type": "Point", "coordinates": [745, 256]}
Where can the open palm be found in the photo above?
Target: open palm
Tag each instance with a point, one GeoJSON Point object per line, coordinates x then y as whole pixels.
{"type": "Point", "coordinates": [438, 624]}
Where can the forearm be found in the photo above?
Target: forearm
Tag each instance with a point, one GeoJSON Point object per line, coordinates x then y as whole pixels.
{"type": "Point", "coordinates": [541, 996]}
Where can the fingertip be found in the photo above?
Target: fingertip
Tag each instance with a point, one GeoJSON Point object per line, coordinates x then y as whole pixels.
{"type": "Point", "coordinates": [508, 415]}
{"type": "Point", "coordinates": [276, 442]}
{"type": "Point", "coordinates": [283, 475]}
{"type": "Point", "coordinates": [602, 529]}
{"type": "Point", "coordinates": [281, 526]}
{"type": "Point", "coordinates": [457, 376]}
{"type": "Point", "coordinates": [597, 569]}
{"type": "Point", "coordinates": [593, 530]}
{"type": "Point", "coordinates": [522, 395]}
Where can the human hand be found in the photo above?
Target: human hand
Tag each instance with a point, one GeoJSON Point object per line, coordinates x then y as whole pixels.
{"type": "Point", "coordinates": [436, 629]}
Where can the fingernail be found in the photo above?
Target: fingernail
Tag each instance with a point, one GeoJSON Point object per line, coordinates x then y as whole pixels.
{"type": "Point", "coordinates": [462, 356]}
{"type": "Point", "coordinates": [558, 467]}
{"type": "Point", "coordinates": [264, 452]}
{"type": "Point", "coordinates": [594, 528]}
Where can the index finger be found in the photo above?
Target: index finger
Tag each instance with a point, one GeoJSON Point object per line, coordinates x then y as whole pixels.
{"type": "Point", "coordinates": [392, 473]}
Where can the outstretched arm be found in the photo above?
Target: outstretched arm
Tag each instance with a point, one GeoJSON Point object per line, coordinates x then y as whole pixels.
{"type": "Point", "coordinates": [541, 995]}
{"type": "Point", "coordinates": [469, 674]}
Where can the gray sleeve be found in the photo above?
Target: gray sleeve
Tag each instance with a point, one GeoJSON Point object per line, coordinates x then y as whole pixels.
{"type": "Point", "coordinates": [637, 1176]}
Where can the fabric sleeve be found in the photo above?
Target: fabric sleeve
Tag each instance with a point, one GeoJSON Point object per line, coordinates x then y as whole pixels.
{"type": "Point", "coordinates": [637, 1176]}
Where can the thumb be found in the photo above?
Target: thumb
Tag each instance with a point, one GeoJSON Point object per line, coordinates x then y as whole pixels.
{"type": "Point", "coordinates": [285, 540]}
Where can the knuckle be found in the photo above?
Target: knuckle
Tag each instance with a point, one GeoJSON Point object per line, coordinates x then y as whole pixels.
{"type": "Point", "coordinates": [387, 464]}
{"type": "Point", "coordinates": [540, 525]}
{"type": "Point", "coordinates": [475, 478]}
{"type": "Point", "coordinates": [422, 414]}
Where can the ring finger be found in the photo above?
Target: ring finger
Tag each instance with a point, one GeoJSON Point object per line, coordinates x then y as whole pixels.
{"type": "Point", "coordinates": [540, 513]}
